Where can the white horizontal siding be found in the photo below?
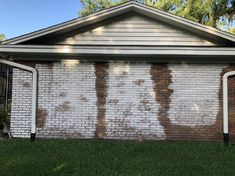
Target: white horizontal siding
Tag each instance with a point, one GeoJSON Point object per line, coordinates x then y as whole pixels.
{"type": "Point", "coordinates": [135, 30]}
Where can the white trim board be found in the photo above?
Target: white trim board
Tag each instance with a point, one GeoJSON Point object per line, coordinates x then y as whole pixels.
{"type": "Point", "coordinates": [113, 50]}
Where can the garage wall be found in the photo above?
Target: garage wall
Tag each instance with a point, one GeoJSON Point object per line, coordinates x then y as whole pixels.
{"type": "Point", "coordinates": [121, 100]}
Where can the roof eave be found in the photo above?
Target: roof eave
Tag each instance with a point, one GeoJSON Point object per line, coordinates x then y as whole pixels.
{"type": "Point", "coordinates": [125, 51]}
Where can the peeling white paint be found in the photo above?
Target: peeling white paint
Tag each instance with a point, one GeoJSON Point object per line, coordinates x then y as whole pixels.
{"type": "Point", "coordinates": [195, 100]}
{"type": "Point", "coordinates": [121, 68]}
{"type": "Point", "coordinates": [131, 109]}
{"type": "Point", "coordinates": [72, 86]}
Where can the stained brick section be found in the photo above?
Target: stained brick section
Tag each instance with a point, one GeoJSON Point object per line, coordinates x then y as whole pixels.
{"type": "Point", "coordinates": [162, 78]}
{"type": "Point", "coordinates": [131, 108]}
{"type": "Point", "coordinates": [41, 117]}
{"type": "Point", "coordinates": [67, 92]}
{"type": "Point", "coordinates": [44, 90]}
{"type": "Point", "coordinates": [66, 101]}
{"type": "Point", "coordinates": [101, 72]}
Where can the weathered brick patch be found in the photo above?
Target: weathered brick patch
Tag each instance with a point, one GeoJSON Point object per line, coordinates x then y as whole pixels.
{"type": "Point", "coordinates": [101, 72]}
{"type": "Point", "coordinates": [194, 120]}
{"type": "Point", "coordinates": [160, 74]}
{"type": "Point", "coordinates": [41, 117]}
{"type": "Point", "coordinates": [130, 106]}
{"type": "Point", "coordinates": [72, 104]}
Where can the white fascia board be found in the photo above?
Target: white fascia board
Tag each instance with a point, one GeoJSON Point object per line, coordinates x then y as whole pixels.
{"type": "Point", "coordinates": [125, 51]}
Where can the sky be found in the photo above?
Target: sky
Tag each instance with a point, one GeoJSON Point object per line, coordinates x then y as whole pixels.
{"type": "Point", "coordinates": [18, 17]}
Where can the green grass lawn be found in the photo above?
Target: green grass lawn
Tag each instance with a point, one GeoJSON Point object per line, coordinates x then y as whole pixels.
{"type": "Point", "coordinates": [81, 157]}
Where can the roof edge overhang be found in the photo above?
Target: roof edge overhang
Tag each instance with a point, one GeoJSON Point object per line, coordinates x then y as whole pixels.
{"type": "Point", "coordinates": [55, 53]}
{"type": "Point", "coordinates": [131, 6]}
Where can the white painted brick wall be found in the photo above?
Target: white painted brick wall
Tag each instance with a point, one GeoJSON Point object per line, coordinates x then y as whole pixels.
{"type": "Point", "coordinates": [131, 109]}
{"type": "Point", "coordinates": [68, 95]}
{"type": "Point", "coordinates": [21, 103]}
{"type": "Point", "coordinates": [195, 100]}
{"type": "Point", "coordinates": [74, 87]}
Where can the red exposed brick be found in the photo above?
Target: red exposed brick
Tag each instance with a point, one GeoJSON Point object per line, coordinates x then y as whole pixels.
{"type": "Point", "coordinates": [41, 117]}
{"type": "Point", "coordinates": [161, 76]}
{"type": "Point", "coordinates": [101, 72]}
